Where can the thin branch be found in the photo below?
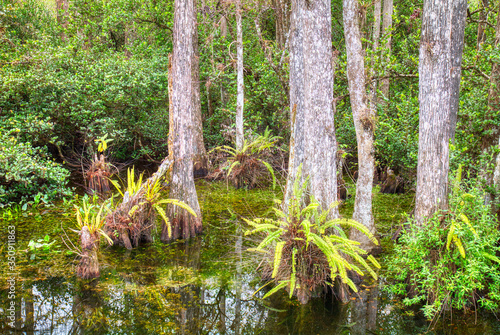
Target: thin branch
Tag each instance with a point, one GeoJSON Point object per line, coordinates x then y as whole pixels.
{"type": "Point", "coordinates": [481, 21]}
{"type": "Point", "coordinates": [155, 22]}
{"type": "Point", "coordinates": [477, 70]}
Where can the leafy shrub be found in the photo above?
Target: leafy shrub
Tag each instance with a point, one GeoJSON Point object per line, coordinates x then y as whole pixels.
{"type": "Point", "coordinates": [452, 261]}
{"type": "Point", "coordinates": [85, 96]}
{"type": "Point", "coordinates": [306, 250]}
{"type": "Point", "coordinates": [27, 173]}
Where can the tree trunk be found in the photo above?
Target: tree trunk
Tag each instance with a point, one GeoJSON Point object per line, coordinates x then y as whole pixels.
{"type": "Point", "coordinates": [281, 18]}
{"type": "Point", "coordinates": [364, 122]}
{"type": "Point", "coordinates": [483, 17]}
{"type": "Point", "coordinates": [62, 15]}
{"type": "Point", "coordinates": [88, 267]}
{"type": "Point", "coordinates": [457, 48]}
{"type": "Point", "coordinates": [297, 89]}
{"type": "Point", "coordinates": [492, 133]}
{"type": "Point", "coordinates": [240, 83]}
{"type": "Point", "coordinates": [200, 158]}
{"type": "Point", "coordinates": [184, 225]}
{"type": "Point", "coordinates": [376, 37]}
{"type": "Point", "coordinates": [313, 143]}
{"type": "Point", "coordinates": [386, 29]}
{"type": "Point", "coordinates": [443, 24]}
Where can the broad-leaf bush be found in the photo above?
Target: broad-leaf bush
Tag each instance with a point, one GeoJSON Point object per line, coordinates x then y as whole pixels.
{"type": "Point", "coordinates": [452, 261]}
{"type": "Point", "coordinates": [26, 172]}
{"type": "Point", "coordinates": [88, 96]}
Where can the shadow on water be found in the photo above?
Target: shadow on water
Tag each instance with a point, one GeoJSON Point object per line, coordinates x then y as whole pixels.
{"type": "Point", "coordinates": [205, 286]}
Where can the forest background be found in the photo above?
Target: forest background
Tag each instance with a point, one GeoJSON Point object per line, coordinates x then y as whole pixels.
{"type": "Point", "coordinates": [104, 71]}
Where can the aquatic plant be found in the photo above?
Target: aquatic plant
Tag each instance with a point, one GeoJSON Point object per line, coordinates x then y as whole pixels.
{"type": "Point", "coordinates": [305, 250]}
{"type": "Point", "coordinates": [90, 219]}
{"type": "Point", "coordinates": [451, 262]}
{"type": "Point", "coordinates": [100, 170]}
{"type": "Point", "coordinates": [247, 166]}
{"type": "Point", "coordinates": [41, 248]}
{"type": "Point", "coordinates": [133, 221]}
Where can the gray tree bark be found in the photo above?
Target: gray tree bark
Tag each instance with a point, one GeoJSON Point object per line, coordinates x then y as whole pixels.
{"type": "Point", "coordinates": [377, 9]}
{"type": "Point", "coordinates": [493, 95]}
{"type": "Point", "coordinates": [457, 47]}
{"type": "Point", "coordinates": [184, 225]}
{"type": "Point", "coordinates": [441, 44]}
{"type": "Point", "coordinates": [493, 132]}
{"type": "Point", "coordinates": [364, 122]}
{"type": "Point", "coordinates": [241, 86]}
{"type": "Point", "coordinates": [313, 143]}
{"type": "Point", "coordinates": [200, 157]}
{"type": "Point", "coordinates": [386, 29]}
{"type": "Point", "coordinates": [297, 88]}
{"type": "Point", "coordinates": [483, 17]}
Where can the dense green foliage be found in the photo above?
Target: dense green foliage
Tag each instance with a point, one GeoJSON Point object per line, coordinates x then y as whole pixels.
{"type": "Point", "coordinates": [452, 261]}
{"type": "Point", "coordinates": [28, 173]}
{"type": "Point", "coordinates": [106, 72]}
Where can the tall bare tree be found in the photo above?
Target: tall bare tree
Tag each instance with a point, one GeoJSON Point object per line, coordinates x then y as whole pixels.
{"type": "Point", "coordinates": [200, 158]}
{"type": "Point", "coordinates": [313, 143]}
{"type": "Point", "coordinates": [241, 85]}
{"type": "Point", "coordinates": [386, 30]}
{"type": "Point", "coordinates": [184, 225]}
{"type": "Point", "coordinates": [377, 9]}
{"type": "Point", "coordinates": [492, 136]}
{"type": "Point", "coordinates": [483, 17]}
{"type": "Point", "coordinates": [364, 122]}
{"type": "Point", "coordinates": [441, 46]}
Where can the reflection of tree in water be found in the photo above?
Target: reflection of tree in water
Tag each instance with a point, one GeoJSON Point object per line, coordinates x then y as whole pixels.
{"type": "Point", "coordinates": [364, 311]}
{"type": "Point", "coordinates": [87, 308]}
{"type": "Point", "coordinates": [41, 306]}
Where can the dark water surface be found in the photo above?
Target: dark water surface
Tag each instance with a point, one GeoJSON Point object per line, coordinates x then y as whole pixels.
{"type": "Point", "coordinates": [205, 286]}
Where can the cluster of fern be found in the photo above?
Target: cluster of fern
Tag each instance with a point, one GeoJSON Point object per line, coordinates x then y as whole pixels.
{"type": "Point", "coordinates": [247, 166]}
{"type": "Point", "coordinates": [138, 213]}
{"type": "Point", "coordinates": [305, 249]}
{"type": "Point", "coordinates": [452, 261]}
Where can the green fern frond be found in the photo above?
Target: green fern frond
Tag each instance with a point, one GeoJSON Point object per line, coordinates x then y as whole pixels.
{"type": "Point", "coordinates": [163, 215]}
{"type": "Point", "coordinates": [177, 203]}
{"type": "Point", "coordinates": [271, 171]}
{"type": "Point", "coordinates": [277, 257]}
{"type": "Point", "coordinates": [269, 239]}
{"type": "Point", "coordinates": [276, 288]}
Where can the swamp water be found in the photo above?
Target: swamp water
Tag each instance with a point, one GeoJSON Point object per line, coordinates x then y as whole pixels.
{"type": "Point", "coordinates": [205, 286]}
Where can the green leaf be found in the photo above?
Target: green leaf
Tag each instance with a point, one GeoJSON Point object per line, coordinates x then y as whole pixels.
{"type": "Point", "coordinates": [277, 258]}
{"type": "Point", "coordinates": [276, 289]}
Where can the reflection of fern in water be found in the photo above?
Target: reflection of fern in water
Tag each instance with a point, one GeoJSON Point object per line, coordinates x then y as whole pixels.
{"type": "Point", "coordinates": [248, 166]}
{"type": "Point", "coordinates": [305, 250]}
